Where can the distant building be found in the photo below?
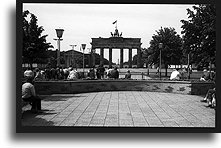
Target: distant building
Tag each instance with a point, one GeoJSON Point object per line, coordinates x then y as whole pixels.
{"type": "Point", "coordinates": [74, 58]}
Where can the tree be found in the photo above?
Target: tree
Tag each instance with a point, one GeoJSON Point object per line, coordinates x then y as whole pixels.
{"type": "Point", "coordinates": [200, 34]}
{"type": "Point", "coordinates": [143, 57]}
{"type": "Point", "coordinates": [34, 44]}
{"type": "Point", "coordinates": [97, 60]}
{"type": "Point", "coordinates": [171, 50]}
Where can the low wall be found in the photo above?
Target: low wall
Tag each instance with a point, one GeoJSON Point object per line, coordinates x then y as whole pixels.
{"type": "Point", "coordinates": [83, 86]}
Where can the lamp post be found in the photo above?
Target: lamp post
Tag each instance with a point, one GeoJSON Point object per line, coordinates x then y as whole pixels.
{"type": "Point", "coordinates": [188, 65]}
{"type": "Point", "coordinates": [83, 47]}
{"type": "Point", "coordinates": [72, 55]}
{"type": "Point", "coordinates": [93, 50]}
{"type": "Point", "coordinates": [160, 47]}
{"type": "Point", "coordinates": [59, 33]}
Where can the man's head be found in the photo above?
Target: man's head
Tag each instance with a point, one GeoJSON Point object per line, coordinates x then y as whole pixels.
{"type": "Point", "coordinates": [37, 70]}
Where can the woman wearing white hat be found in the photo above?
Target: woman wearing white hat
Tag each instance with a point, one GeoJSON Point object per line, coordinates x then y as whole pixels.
{"type": "Point", "coordinates": [29, 94]}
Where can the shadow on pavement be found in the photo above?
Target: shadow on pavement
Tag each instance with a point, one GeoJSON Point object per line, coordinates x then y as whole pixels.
{"type": "Point", "coordinates": [32, 119]}
{"type": "Point", "coordinates": [29, 114]}
{"type": "Point", "coordinates": [60, 97]}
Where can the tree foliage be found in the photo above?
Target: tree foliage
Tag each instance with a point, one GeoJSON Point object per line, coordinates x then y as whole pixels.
{"type": "Point", "coordinates": [171, 52]}
{"type": "Point", "coordinates": [200, 34]}
{"type": "Point", "coordinates": [34, 44]}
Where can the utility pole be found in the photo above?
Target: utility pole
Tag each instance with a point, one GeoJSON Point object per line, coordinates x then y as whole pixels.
{"type": "Point", "coordinates": [72, 56]}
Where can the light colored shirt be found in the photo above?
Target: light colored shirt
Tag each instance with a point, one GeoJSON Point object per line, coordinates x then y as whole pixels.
{"type": "Point", "coordinates": [175, 75]}
{"type": "Point", "coordinates": [38, 75]}
{"type": "Point", "coordinates": [109, 72]}
{"type": "Point", "coordinates": [72, 75]}
{"type": "Point", "coordinates": [65, 71]}
{"type": "Point", "coordinates": [28, 90]}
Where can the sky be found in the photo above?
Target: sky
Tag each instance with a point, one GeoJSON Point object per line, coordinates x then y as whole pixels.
{"type": "Point", "coordinates": [81, 22]}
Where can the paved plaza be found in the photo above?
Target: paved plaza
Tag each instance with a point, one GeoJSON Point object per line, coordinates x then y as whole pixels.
{"type": "Point", "coordinates": [121, 108]}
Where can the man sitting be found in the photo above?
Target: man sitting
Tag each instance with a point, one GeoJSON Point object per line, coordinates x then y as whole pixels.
{"type": "Point", "coordinates": [108, 72]}
{"type": "Point", "coordinates": [128, 75]}
{"type": "Point", "coordinates": [29, 94]}
{"type": "Point", "coordinates": [91, 74]}
{"type": "Point", "coordinates": [73, 75]}
{"type": "Point", "coordinates": [175, 75]}
{"type": "Point", "coordinates": [114, 73]}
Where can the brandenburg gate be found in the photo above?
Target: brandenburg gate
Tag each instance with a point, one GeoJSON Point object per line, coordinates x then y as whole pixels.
{"type": "Point", "coordinates": [116, 41]}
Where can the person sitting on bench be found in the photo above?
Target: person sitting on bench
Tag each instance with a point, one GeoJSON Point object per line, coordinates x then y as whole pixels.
{"type": "Point", "coordinates": [29, 94]}
{"type": "Point", "coordinates": [128, 75]}
{"type": "Point", "coordinates": [175, 75]}
{"type": "Point", "coordinates": [210, 98]}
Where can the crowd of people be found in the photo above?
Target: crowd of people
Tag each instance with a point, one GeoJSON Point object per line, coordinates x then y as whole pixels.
{"type": "Point", "coordinates": [71, 73]}
{"type": "Point", "coordinates": [102, 73]}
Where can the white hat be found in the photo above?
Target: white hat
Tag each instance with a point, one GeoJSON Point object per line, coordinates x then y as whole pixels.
{"type": "Point", "coordinates": [28, 73]}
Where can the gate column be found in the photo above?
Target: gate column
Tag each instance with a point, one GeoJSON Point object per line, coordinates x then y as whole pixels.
{"type": "Point", "coordinates": [110, 57]}
{"type": "Point", "coordinates": [102, 56]}
{"type": "Point", "coordinates": [121, 57]}
{"type": "Point", "coordinates": [130, 57]}
{"type": "Point", "coordinates": [93, 57]}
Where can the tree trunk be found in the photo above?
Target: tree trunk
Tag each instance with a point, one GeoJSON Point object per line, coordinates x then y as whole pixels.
{"type": "Point", "coordinates": [210, 65]}
{"type": "Point", "coordinates": [166, 67]}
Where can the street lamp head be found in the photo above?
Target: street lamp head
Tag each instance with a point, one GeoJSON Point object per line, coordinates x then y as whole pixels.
{"type": "Point", "coordinates": [83, 46]}
{"type": "Point", "coordinates": [160, 45]}
{"type": "Point", "coordinates": [59, 32]}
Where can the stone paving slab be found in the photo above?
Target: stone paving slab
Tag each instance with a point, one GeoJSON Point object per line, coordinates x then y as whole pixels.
{"type": "Point", "coordinates": [123, 109]}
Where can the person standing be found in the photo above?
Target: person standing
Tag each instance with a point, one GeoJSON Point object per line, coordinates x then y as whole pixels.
{"type": "Point", "coordinates": [158, 70]}
{"type": "Point", "coordinates": [91, 74]}
{"type": "Point", "coordinates": [47, 73]}
{"type": "Point", "coordinates": [38, 75]}
{"type": "Point", "coordinates": [102, 70]}
{"type": "Point", "coordinates": [53, 73]}
{"type": "Point", "coordinates": [98, 73]}
{"type": "Point", "coordinates": [66, 73]}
